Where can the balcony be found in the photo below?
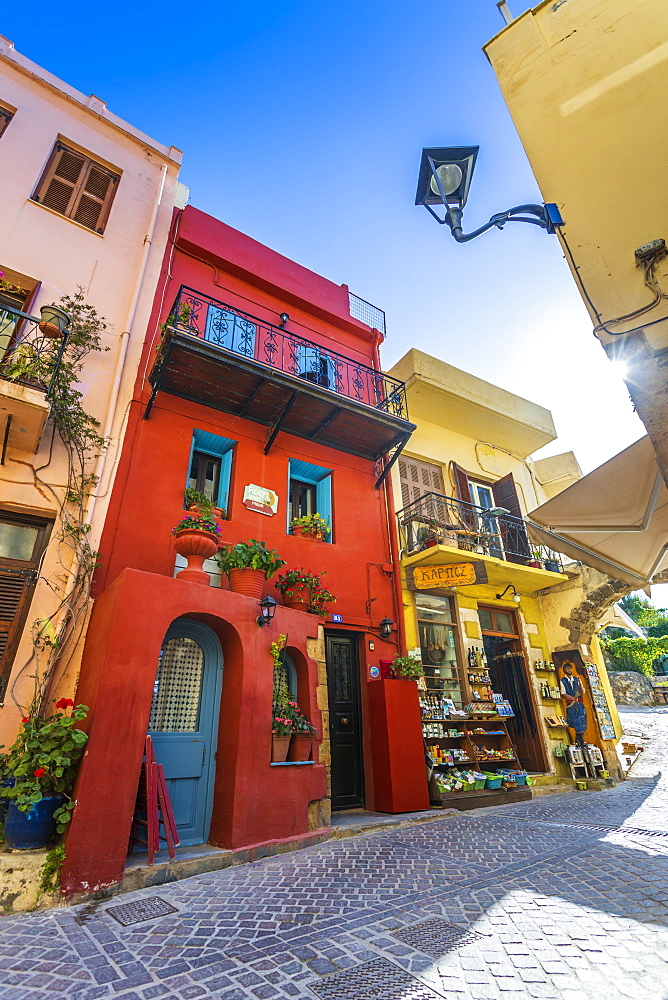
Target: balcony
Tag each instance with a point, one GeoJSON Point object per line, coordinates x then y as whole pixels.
{"type": "Point", "coordinates": [29, 364]}
{"type": "Point", "coordinates": [216, 355]}
{"type": "Point", "coordinates": [438, 529]}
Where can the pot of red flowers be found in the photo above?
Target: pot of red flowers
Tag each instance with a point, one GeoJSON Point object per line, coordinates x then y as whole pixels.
{"type": "Point", "coordinates": [39, 771]}
{"type": "Point", "coordinates": [281, 733]}
{"type": "Point", "coordinates": [310, 526]}
{"type": "Point", "coordinates": [248, 566]}
{"type": "Point", "coordinates": [302, 736]}
{"type": "Point", "coordinates": [196, 537]}
{"type": "Point", "coordinates": [321, 597]}
{"type": "Point", "coordinates": [297, 587]}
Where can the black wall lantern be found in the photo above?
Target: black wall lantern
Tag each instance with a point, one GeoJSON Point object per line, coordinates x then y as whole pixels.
{"type": "Point", "coordinates": [445, 177]}
{"type": "Point", "coordinates": [268, 610]}
{"type": "Point", "coordinates": [386, 628]}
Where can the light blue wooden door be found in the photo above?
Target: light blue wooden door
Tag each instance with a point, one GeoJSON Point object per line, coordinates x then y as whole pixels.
{"type": "Point", "coordinates": [184, 723]}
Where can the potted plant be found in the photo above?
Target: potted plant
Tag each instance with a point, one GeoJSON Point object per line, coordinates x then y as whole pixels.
{"type": "Point", "coordinates": [39, 772]}
{"type": "Point", "coordinates": [320, 598]}
{"type": "Point", "coordinates": [196, 501]}
{"type": "Point", "coordinates": [552, 565]}
{"type": "Point", "coordinates": [248, 565]}
{"type": "Point", "coordinates": [536, 560]}
{"type": "Point", "coordinates": [406, 668]}
{"type": "Point", "coordinates": [297, 586]}
{"type": "Point", "coordinates": [310, 526]}
{"type": "Point", "coordinates": [281, 734]}
{"type": "Point", "coordinates": [303, 733]}
{"type": "Point", "coordinates": [196, 537]}
{"type": "Point", "coordinates": [54, 321]}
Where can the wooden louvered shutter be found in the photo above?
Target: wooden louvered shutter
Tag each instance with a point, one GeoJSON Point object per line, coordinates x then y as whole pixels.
{"type": "Point", "coordinates": [417, 479]}
{"type": "Point", "coordinates": [15, 590]}
{"type": "Point", "coordinates": [59, 184]}
{"type": "Point", "coordinates": [93, 203]}
{"type": "Point", "coordinates": [462, 483]}
{"type": "Point", "coordinates": [77, 187]}
{"type": "Point", "coordinates": [513, 533]}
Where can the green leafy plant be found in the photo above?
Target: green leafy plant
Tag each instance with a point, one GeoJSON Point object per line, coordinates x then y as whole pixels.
{"type": "Point", "coordinates": [249, 555]}
{"type": "Point", "coordinates": [10, 286]}
{"type": "Point", "coordinates": [44, 758]}
{"type": "Point", "coordinates": [192, 523]}
{"type": "Point", "coordinates": [293, 580]}
{"type": "Point", "coordinates": [51, 869]}
{"type": "Point", "coordinates": [407, 666]}
{"type": "Point", "coordinates": [282, 725]}
{"type": "Point", "coordinates": [638, 655]}
{"type": "Point", "coordinates": [320, 599]}
{"type": "Point", "coordinates": [195, 498]}
{"type": "Point", "coordinates": [311, 524]}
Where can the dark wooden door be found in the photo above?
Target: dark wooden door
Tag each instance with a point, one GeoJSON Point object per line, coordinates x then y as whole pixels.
{"type": "Point", "coordinates": [343, 685]}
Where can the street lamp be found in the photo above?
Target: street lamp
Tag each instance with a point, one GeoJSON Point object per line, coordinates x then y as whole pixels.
{"type": "Point", "coordinates": [445, 177]}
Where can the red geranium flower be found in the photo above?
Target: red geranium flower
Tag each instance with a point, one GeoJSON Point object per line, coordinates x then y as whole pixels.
{"type": "Point", "coordinates": [25, 719]}
{"type": "Point", "coordinates": [65, 703]}
{"type": "Point", "coordinates": [39, 772]}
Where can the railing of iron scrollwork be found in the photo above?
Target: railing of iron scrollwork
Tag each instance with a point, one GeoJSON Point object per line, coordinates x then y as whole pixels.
{"type": "Point", "coordinates": [27, 356]}
{"type": "Point", "coordinates": [245, 335]}
{"type": "Point", "coordinates": [436, 519]}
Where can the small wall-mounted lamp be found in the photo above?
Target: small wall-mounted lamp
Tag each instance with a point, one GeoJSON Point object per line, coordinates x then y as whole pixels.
{"type": "Point", "coordinates": [284, 317]}
{"type": "Point", "coordinates": [267, 611]}
{"type": "Point", "coordinates": [513, 597]}
{"type": "Point", "coordinates": [386, 628]}
{"type": "Point", "coordinates": [444, 180]}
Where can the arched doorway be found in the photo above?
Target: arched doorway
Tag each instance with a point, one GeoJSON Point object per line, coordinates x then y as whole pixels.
{"type": "Point", "coordinates": [183, 723]}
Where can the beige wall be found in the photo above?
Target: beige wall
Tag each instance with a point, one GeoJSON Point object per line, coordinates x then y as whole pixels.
{"type": "Point", "coordinates": [585, 82]}
{"type": "Point", "coordinates": [63, 255]}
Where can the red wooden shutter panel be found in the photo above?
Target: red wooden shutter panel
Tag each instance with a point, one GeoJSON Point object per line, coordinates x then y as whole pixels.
{"type": "Point", "coordinates": [462, 483]}
{"type": "Point", "coordinates": [514, 536]}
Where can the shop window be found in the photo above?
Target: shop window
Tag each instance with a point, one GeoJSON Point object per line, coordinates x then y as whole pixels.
{"type": "Point", "coordinates": [310, 492]}
{"type": "Point", "coordinates": [78, 187]}
{"type": "Point", "coordinates": [22, 543]}
{"type": "Point", "coordinates": [5, 117]}
{"type": "Point", "coordinates": [437, 630]}
{"type": "Point", "coordinates": [493, 620]}
{"type": "Point", "coordinates": [210, 467]}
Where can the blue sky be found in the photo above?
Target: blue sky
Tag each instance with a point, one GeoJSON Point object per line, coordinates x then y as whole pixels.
{"type": "Point", "coordinates": [302, 125]}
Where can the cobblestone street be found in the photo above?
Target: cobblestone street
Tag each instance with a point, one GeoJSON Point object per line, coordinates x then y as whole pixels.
{"type": "Point", "coordinates": [565, 896]}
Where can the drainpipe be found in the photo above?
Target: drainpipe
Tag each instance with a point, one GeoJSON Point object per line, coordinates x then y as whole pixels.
{"type": "Point", "coordinates": [116, 384]}
{"type": "Point", "coordinates": [505, 12]}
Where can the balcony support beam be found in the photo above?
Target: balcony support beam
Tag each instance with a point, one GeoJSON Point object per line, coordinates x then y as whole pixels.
{"type": "Point", "coordinates": [281, 420]}
{"type": "Point", "coordinates": [326, 422]}
{"type": "Point", "coordinates": [254, 393]}
{"type": "Point", "coordinates": [162, 364]}
{"type": "Point", "coordinates": [395, 455]}
{"type": "Point", "coordinates": [5, 438]}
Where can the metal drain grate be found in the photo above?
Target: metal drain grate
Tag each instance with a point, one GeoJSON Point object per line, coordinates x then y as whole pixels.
{"type": "Point", "coordinates": [377, 980]}
{"type": "Point", "coordinates": [436, 937]}
{"type": "Point", "coordinates": [142, 909]}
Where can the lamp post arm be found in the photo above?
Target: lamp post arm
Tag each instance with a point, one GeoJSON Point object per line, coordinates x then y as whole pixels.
{"type": "Point", "coordinates": [537, 215]}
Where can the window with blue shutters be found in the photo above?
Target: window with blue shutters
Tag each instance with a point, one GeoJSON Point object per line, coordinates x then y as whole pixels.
{"type": "Point", "coordinates": [314, 483]}
{"type": "Point", "coordinates": [210, 466]}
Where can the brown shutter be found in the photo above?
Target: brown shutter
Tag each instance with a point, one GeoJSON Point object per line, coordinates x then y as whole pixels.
{"type": "Point", "coordinates": [514, 536]}
{"type": "Point", "coordinates": [417, 479]}
{"type": "Point", "coordinates": [91, 202]}
{"type": "Point", "coordinates": [15, 591]}
{"type": "Point", "coordinates": [59, 184]}
{"type": "Point", "coordinates": [462, 483]}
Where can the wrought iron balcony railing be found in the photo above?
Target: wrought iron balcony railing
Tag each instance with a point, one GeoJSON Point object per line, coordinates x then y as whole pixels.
{"type": "Point", "coordinates": [247, 336]}
{"type": "Point", "coordinates": [436, 519]}
{"type": "Point", "coordinates": [27, 356]}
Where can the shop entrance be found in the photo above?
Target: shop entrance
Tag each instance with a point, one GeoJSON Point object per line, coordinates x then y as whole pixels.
{"type": "Point", "coordinates": [345, 727]}
{"type": "Point", "coordinates": [184, 723]}
{"type": "Point", "coordinates": [510, 677]}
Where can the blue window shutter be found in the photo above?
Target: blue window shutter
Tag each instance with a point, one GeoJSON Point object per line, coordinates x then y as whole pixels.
{"type": "Point", "coordinates": [222, 448]}
{"type": "Point", "coordinates": [323, 501]}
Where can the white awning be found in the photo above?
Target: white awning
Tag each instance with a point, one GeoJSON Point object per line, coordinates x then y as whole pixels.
{"type": "Point", "coordinates": [614, 519]}
{"type": "Point", "coordinates": [618, 618]}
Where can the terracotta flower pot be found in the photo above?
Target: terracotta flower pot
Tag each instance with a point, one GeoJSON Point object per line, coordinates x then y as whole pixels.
{"type": "Point", "coordinates": [298, 598]}
{"type": "Point", "coordinates": [279, 748]}
{"type": "Point", "coordinates": [196, 546]}
{"type": "Point", "coordinates": [300, 747]}
{"type": "Point", "coordinates": [297, 530]}
{"type": "Point", "coordinates": [249, 582]}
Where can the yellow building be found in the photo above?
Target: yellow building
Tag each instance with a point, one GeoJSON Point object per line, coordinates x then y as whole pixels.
{"type": "Point", "coordinates": [585, 82]}
{"type": "Point", "coordinates": [479, 596]}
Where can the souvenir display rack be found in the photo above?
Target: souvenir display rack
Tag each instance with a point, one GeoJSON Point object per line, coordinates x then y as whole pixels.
{"type": "Point", "coordinates": [549, 692]}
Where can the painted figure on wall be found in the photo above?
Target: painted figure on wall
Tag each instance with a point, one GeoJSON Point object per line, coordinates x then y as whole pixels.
{"type": "Point", "coordinates": [572, 693]}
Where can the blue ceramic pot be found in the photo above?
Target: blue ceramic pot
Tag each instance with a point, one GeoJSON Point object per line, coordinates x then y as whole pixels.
{"type": "Point", "coordinates": [32, 830]}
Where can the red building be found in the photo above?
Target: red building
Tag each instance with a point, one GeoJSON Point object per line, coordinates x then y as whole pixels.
{"type": "Point", "coordinates": [255, 372]}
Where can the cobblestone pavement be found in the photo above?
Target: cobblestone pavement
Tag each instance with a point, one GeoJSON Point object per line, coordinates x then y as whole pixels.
{"type": "Point", "coordinates": [565, 896]}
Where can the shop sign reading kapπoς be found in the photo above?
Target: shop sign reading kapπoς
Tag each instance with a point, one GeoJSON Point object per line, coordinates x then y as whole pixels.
{"type": "Point", "coordinates": [259, 498]}
{"type": "Point", "coordinates": [447, 575]}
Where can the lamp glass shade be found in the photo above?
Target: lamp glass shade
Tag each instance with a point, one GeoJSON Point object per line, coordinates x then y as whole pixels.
{"type": "Point", "coordinates": [450, 176]}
